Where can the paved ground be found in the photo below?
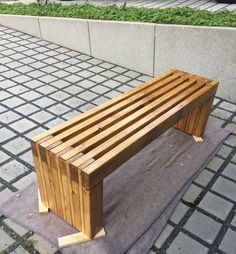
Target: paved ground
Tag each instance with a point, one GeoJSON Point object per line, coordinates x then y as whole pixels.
{"type": "Point", "coordinates": [42, 84]}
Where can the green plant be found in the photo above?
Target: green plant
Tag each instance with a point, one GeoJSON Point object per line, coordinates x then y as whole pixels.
{"type": "Point", "coordinates": [180, 15]}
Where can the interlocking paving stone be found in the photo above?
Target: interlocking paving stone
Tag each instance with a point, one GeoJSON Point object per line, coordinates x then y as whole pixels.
{"type": "Point", "coordinates": [4, 95]}
{"type": "Point", "coordinates": [74, 102]}
{"type": "Point", "coordinates": [179, 213]}
{"type": "Point", "coordinates": [41, 245]}
{"type": "Point", "coordinates": [230, 171]}
{"type": "Point", "coordinates": [44, 102]}
{"type": "Point", "coordinates": [232, 127]}
{"type": "Point", "coordinates": [59, 96]}
{"type": "Point", "coordinates": [203, 226]}
{"type": "Point", "coordinates": [204, 178]}
{"type": "Point", "coordinates": [25, 181]}
{"type": "Point", "coordinates": [225, 187]}
{"type": "Point", "coordinates": [4, 196]}
{"type": "Point", "coordinates": [164, 235]}
{"type": "Point", "coordinates": [19, 250]}
{"type": "Point", "coordinates": [221, 113]}
{"type": "Point", "coordinates": [17, 228]}
{"type": "Point", "coordinates": [46, 89]}
{"type": "Point", "coordinates": [6, 240]}
{"type": "Point", "coordinates": [6, 134]}
{"type": "Point", "coordinates": [22, 125]}
{"type": "Point", "coordinates": [18, 89]}
{"type": "Point", "coordinates": [183, 244]}
{"type": "Point", "coordinates": [215, 120]}
{"type": "Point", "coordinates": [224, 151]}
{"type": "Point", "coordinates": [215, 163]}
{"type": "Point", "coordinates": [11, 170]}
{"type": "Point", "coordinates": [3, 157]}
{"type": "Point", "coordinates": [231, 140]}
{"type": "Point", "coordinates": [228, 106]}
{"type": "Point", "coordinates": [41, 116]}
{"type": "Point", "coordinates": [17, 145]}
{"type": "Point", "coordinates": [31, 95]}
{"type": "Point", "coordinates": [27, 109]}
{"type": "Point", "coordinates": [228, 245]}
{"type": "Point", "coordinates": [13, 102]}
{"type": "Point", "coordinates": [192, 193]}
{"type": "Point", "coordinates": [216, 205]}
{"type": "Point", "coordinates": [234, 221]}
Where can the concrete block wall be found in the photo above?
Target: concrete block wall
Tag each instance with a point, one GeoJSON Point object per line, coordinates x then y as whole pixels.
{"type": "Point", "coordinates": [146, 48]}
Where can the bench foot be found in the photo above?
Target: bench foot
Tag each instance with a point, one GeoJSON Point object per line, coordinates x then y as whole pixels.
{"type": "Point", "coordinates": [198, 139]}
{"type": "Point", "coordinates": [76, 238]}
{"type": "Point", "coordinates": [41, 206]}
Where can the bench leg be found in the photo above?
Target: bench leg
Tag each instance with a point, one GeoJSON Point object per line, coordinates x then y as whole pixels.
{"type": "Point", "coordinates": [93, 210]}
{"type": "Point", "coordinates": [195, 121]}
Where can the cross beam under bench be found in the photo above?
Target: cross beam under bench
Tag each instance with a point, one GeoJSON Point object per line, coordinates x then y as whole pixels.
{"type": "Point", "coordinates": [73, 158]}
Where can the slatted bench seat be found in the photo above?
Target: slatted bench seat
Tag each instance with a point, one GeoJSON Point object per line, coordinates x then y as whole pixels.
{"type": "Point", "coordinates": [73, 158]}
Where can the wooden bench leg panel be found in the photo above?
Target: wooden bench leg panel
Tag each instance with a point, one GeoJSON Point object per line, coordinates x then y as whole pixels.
{"type": "Point", "coordinates": [195, 121]}
{"type": "Point", "coordinates": [39, 174]}
{"type": "Point", "coordinates": [93, 210]}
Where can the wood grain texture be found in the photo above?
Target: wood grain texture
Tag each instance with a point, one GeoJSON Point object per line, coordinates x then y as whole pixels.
{"type": "Point", "coordinates": [73, 158]}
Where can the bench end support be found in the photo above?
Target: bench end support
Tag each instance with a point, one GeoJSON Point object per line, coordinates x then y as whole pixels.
{"type": "Point", "coordinates": [41, 206]}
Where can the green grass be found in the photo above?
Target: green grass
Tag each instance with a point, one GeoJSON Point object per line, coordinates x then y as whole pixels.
{"type": "Point", "coordinates": [181, 15]}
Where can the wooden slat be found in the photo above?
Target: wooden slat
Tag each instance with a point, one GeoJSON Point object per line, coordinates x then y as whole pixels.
{"type": "Point", "coordinates": [131, 129]}
{"type": "Point", "coordinates": [83, 117]}
{"type": "Point", "coordinates": [96, 119]}
{"type": "Point", "coordinates": [110, 121]}
{"type": "Point", "coordinates": [102, 167]}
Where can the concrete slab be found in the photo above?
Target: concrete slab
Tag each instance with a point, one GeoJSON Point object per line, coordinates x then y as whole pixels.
{"type": "Point", "coordinates": [128, 44]}
{"type": "Point", "coordinates": [70, 33]}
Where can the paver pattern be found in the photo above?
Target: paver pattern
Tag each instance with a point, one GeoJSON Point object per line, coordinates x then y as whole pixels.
{"type": "Point", "coordinates": [42, 84]}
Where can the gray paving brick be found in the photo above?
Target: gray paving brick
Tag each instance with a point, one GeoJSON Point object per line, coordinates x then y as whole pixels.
{"type": "Point", "coordinates": [25, 181]}
{"type": "Point", "coordinates": [87, 95]}
{"type": "Point", "coordinates": [34, 132]}
{"type": "Point", "coordinates": [215, 163]}
{"type": "Point", "coordinates": [192, 193]}
{"type": "Point", "coordinates": [35, 74]}
{"type": "Point", "coordinates": [8, 117]}
{"type": "Point", "coordinates": [46, 89]}
{"type": "Point", "coordinates": [234, 158]}
{"type": "Point", "coordinates": [6, 240]}
{"type": "Point", "coordinates": [132, 74]}
{"type": "Point", "coordinates": [163, 236]}
{"type": "Point", "coordinates": [27, 109]}
{"type": "Point", "coordinates": [216, 205]}
{"type": "Point", "coordinates": [74, 102]}
{"type": "Point", "coordinates": [86, 84]}
{"type": "Point", "coordinates": [17, 228]}
{"type": "Point", "coordinates": [100, 89]}
{"type": "Point", "coordinates": [228, 106]}
{"type": "Point", "coordinates": [232, 127]}
{"type": "Point", "coordinates": [60, 84]}
{"type": "Point", "coordinates": [183, 244]}
{"type": "Point", "coordinates": [44, 102]}
{"type": "Point", "coordinates": [48, 79]}
{"type": "Point", "coordinates": [3, 157]}
{"type": "Point", "coordinates": [96, 69]}
{"type": "Point", "coordinates": [230, 171]}
{"type": "Point", "coordinates": [73, 89]}
{"type": "Point", "coordinates": [109, 74]}
{"type": "Point", "coordinates": [41, 245]}
{"type": "Point", "coordinates": [13, 102]}
{"type": "Point", "coordinates": [11, 170]}
{"type": "Point", "coordinates": [122, 79]}
{"type": "Point", "coordinates": [75, 79]}
{"type": "Point", "coordinates": [4, 95]}
{"type": "Point", "coordinates": [215, 120]}
{"type": "Point", "coordinates": [203, 226]}
{"type": "Point", "coordinates": [97, 79]}
{"type": "Point", "coordinates": [86, 107]}
{"type": "Point", "coordinates": [228, 244]}
{"type": "Point", "coordinates": [10, 74]}
{"type": "Point", "coordinates": [204, 178]}
{"type": "Point", "coordinates": [231, 140]}
{"type": "Point", "coordinates": [60, 96]}
{"type": "Point", "coordinates": [41, 116]}
{"type": "Point", "coordinates": [179, 213]}
{"type": "Point", "coordinates": [17, 145]}
{"type": "Point", "coordinates": [31, 95]}
{"type": "Point", "coordinates": [22, 125]}
{"type": "Point", "coordinates": [100, 100]}
{"type": "Point", "coordinates": [54, 122]}
{"type": "Point", "coordinates": [17, 89]}
{"type": "Point", "coordinates": [7, 83]}
{"type": "Point", "coordinates": [234, 221]}
{"type": "Point", "coordinates": [112, 94]}
{"type": "Point", "coordinates": [59, 109]}
{"type": "Point", "coordinates": [33, 84]}
{"type": "Point", "coordinates": [22, 79]}
{"type": "Point", "coordinates": [6, 134]}
{"type": "Point", "coordinates": [20, 250]}
{"type": "Point", "coordinates": [225, 187]}
{"type": "Point", "coordinates": [27, 157]}
{"type": "Point", "coordinates": [224, 151]}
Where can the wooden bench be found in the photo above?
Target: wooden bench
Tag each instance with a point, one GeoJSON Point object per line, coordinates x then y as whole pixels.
{"type": "Point", "coordinates": [73, 158]}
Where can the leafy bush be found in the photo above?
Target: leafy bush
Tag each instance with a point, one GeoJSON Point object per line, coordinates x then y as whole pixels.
{"type": "Point", "coordinates": [179, 15]}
